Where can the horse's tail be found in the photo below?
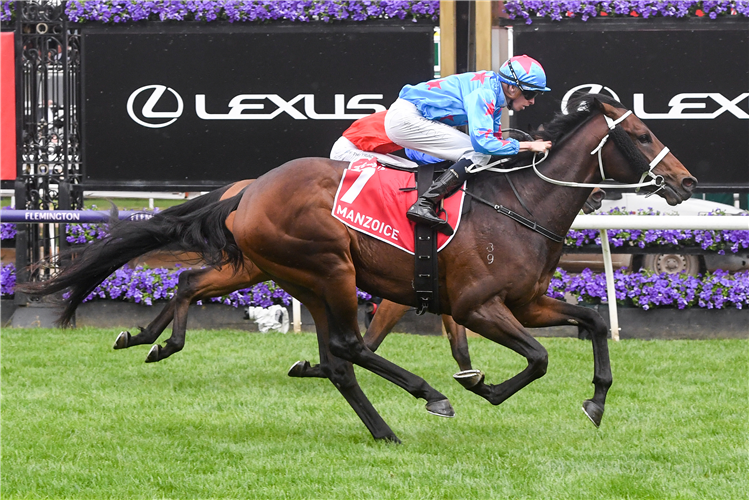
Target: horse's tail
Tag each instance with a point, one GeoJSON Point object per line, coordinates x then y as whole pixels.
{"type": "Point", "coordinates": [195, 226]}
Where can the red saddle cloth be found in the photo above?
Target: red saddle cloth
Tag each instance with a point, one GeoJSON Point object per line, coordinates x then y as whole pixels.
{"type": "Point", "coordinates": [370, 200]}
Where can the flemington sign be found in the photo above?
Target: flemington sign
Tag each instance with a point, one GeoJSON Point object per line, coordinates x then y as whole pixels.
{"type": "Point", "coordinates": [201, 106]}
{"type": "Point", "coordinates": [686, 79]}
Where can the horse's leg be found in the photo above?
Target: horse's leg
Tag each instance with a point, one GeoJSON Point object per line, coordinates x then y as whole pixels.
{"type": "Point", "coordinates": [341, 372]}
{"type": "Point", "coordinates": [387, 315]}
{"type": "Point", "coordinates": [149, 334]}
{"type": "Point", "coordinates": [347, 343]}
{"type": "Point", "coordinates": [494, 321]}
{"type": "Point", "coordinates": [456, 334]}
{"type": "Point", "coordinates": [197, 285]}
{"type": "Point", "coordinates": [551, 312]}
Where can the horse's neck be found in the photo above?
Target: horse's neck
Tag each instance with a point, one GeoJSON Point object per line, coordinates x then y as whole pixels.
{"type": "Point", "coordinates": [555, 207]}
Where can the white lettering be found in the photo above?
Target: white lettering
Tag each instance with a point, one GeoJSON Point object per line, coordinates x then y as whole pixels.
{"type": "Point", "coordinates": [369, 219]}
{"type": "Point", "coordinates": [679, 108]}
{"type": "Point", "coordinates": [341, 211]}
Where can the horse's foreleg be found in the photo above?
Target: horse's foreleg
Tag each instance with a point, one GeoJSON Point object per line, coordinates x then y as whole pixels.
{"type": "Point", "coordinates": [456, 334]}
{"type": "Point", "coordinates": [387, 315]}
{"type": "Point", "coordinates": [494, 321]}
{"type": "Point", "coordinates": [551, 312]}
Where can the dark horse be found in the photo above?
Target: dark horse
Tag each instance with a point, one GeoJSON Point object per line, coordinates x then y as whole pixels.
{"type": "Point", "coordinates": [493, 275]}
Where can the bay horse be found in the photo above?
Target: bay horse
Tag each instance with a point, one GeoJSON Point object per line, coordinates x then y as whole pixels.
{"type": "Point", "coordinates": [199, 284]}
{"type": "Point", "coordinates": [493, 274]}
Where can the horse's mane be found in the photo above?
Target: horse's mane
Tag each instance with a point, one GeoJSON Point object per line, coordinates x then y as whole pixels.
{"type": "Point", "coordinates": [580, 109]}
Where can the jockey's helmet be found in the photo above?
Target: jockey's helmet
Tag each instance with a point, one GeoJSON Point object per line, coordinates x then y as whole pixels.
{"type": "Point", "coordinates": [525, 73]}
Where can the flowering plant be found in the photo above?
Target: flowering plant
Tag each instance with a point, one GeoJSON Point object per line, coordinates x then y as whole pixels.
{"type": "Point", "coordinates": [7, 230]}
{"type": "Point", "coordinates": [644, 289]}
{"type": "Point", "coordinates": [585, 9]}
{"type": "Point", "coordinates": [647, 290]}
{"type": "Point", "coordinates": [7, 280]}
{"type": "Point", "coordinates": [713, 240]}
{"type": "Point", "coordinates": [121, 11]}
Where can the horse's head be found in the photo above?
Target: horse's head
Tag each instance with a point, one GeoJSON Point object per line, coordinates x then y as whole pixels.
{"type": "Point", "coordinates": [642, 155]}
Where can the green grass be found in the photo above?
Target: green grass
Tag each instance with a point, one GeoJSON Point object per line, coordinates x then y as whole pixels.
{"type": "Point", "coordinates": [129, 203]}
{"type": "Point", "coordinates": [222, 420]}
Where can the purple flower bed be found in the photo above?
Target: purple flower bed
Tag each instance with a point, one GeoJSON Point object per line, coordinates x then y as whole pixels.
{"type": "Point", "coordinates": [648, 290]}
{"type": "Point", "coordinates": [719, 290]}
{"type": "Point", "coordinates": [7, 280]}
{"type": "Point", "coordinates": [122, 11]}
{"type": "Point", "coordinates": [713, 240]}
{"type": "Point", "coordinates": [585, 9]}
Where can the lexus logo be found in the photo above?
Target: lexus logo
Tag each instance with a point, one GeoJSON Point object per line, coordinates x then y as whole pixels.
{"type": "Point", "coordinates": [592, 88]}
{"type": "Point", "coordinates": [156, 119]}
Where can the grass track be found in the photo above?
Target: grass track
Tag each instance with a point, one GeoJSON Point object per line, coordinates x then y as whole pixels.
{"type": "Point", "coordinates": [222, 420]}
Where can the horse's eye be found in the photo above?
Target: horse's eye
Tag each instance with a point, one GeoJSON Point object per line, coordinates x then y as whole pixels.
{"type": "Point", "coordinates": [645, 138]}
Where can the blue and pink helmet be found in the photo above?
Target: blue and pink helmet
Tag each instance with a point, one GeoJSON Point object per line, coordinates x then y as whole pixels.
{"type": "Point", "coordinates": [524, 72]}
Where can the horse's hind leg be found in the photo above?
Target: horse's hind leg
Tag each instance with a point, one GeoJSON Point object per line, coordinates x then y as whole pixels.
{"type": "Point", "coordinates": [202, 284]}
{"type": "Point", "coordinates": [341, 372]}
{"type": "Point", "coordinates": [346, 343]}
{"type": "Point", "coordinates": [551, 312]}
{"type": "Point", "coordinates": [149, 334]}
{"type": "Point", "coordinates": [387, 315]}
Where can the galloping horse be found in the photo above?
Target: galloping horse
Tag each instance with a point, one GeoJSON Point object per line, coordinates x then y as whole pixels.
{"type": "Point", "coordinates": [493, 274]}
{"type": "Point", "coordinates": [198, 284]}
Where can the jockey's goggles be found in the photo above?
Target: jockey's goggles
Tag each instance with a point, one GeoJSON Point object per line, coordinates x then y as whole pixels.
{"type": "Point", "coordinates": [527, 93]}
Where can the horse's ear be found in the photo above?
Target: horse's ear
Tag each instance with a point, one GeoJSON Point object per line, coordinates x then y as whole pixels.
{"type": "Point", "coordinates": [597, 104]}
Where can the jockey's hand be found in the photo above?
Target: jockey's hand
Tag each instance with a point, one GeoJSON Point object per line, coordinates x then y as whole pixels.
{"type": "Point", "coordinates": [535, 146]}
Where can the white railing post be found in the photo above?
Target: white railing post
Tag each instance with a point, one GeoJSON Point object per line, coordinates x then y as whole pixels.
{"type": "Point", "coordinates": [608, 268]}
{"type": "Point", "coordinates": [296, 311]}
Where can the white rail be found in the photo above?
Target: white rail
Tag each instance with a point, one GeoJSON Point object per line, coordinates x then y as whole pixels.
{"type": "Point", "coordinates": [644, 222]}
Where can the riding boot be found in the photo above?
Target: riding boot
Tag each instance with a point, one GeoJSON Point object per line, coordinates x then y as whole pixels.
{"type": "Point", "coordinates": [424, 211]}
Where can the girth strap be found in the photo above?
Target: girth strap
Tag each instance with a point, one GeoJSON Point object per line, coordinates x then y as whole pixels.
{"type": "Point", "coordinates": [532, 225]}
{"type": "Point", "coordinates": [426, 270]}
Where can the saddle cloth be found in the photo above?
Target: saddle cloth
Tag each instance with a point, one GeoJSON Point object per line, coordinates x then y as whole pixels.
{"type": "Point", "coordinates": [370, 200]}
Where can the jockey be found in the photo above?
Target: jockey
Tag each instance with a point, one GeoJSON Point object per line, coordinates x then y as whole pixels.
{"type": "Point", "coordinates": [424, 115]}
{"type": "Point", "coordinates": [366, 138]}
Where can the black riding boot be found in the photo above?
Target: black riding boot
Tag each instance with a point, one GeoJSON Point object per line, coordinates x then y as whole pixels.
{"type": "Point", "coordinates": [424, 211]}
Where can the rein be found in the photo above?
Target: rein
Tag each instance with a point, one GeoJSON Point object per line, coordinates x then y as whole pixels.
{"type": "Point", "coordinates": [655, 180]}
{"type": "Point", "coordinates": [530, 224]}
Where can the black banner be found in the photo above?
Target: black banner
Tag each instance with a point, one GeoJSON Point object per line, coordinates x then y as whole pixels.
{"type": "Point", "coordinates": [181, 107]}
{"type": "Point", "coordinates": [688, 81]}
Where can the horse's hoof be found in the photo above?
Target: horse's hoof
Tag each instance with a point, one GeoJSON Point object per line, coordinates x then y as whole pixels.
{"type": "Point", "coordinates": [593, 411]}
{"type": "Point", "coordinates": [153, 354]}
{"type": "Point", "coordinates": [122, 340]}
{"type": "Point", "coordinates": [441, 408]}
{"type": "Point", "coordinates": [298, 369]}
{"type": "Point", "coordinates": [469, 378]}
{"type": "Point", "coordinates": [390, 438]}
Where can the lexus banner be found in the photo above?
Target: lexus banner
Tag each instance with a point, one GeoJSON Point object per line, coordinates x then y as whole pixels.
{"type": "Point", "coordinates": [207, 105]}
{"type": "Point", "coordinates": [689, 83]}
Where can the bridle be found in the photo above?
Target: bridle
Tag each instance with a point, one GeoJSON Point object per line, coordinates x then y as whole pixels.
{"type": "Point", "coordinates": [654, 180]}
{"type": "Point", "coordinates": [614, 127]}
{"type": "Point", "coordinates": [614, 130]}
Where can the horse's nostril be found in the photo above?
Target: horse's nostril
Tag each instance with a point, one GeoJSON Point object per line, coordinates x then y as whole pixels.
{"type": "Point", "coordinates": [689, 183]}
